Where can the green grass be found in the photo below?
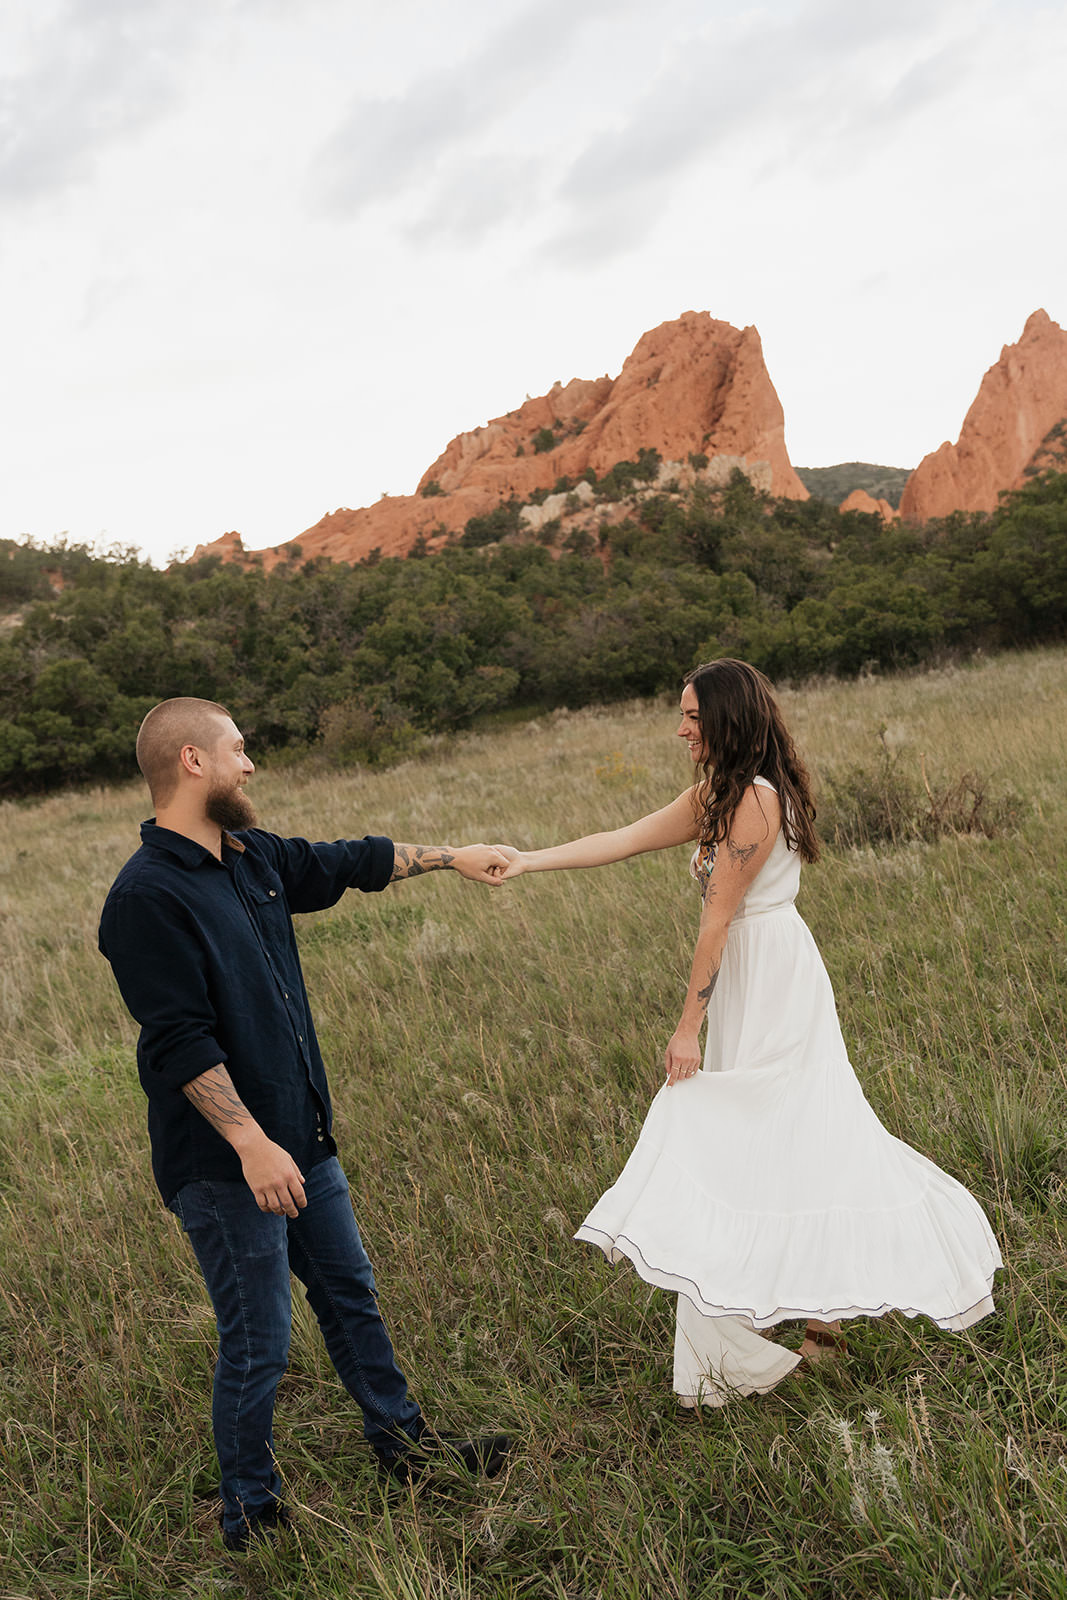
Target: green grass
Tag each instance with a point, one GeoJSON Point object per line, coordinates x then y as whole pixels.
{"type": "Point", "coordinates": [491, 1057]}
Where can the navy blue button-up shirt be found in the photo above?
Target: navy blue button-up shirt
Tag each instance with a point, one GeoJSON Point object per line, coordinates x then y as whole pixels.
{"type": "Point", "coordinates": [205, 957]}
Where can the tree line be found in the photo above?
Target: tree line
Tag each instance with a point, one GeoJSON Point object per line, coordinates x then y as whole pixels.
{"type": "Point", "coordinates": [361, 662]}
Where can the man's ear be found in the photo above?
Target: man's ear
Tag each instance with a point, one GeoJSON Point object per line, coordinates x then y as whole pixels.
{"type": "Point", "coordinates": [190, 761]}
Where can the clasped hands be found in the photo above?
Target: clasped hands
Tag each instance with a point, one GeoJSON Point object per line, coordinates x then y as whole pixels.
{"type": "Point", "coordinates": [489, 863]}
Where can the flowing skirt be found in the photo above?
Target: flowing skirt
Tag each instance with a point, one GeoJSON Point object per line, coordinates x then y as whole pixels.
{"type": "Point", "coordinates": [765, 1188]}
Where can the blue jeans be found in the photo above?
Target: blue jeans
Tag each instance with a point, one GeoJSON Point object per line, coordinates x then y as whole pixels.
{"type": "Point", "coordinates": [246, 1256]}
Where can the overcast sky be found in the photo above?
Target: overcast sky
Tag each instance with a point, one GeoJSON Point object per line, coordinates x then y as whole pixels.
{"type": "Point", "coordinates": [261, 259]}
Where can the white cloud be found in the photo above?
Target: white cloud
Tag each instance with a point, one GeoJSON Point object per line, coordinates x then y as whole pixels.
{"type": "Point", "coordinates": [818, 87]}
{"type": "Point", "coordinates": [383, 145]}
{"type": "Point", "coordinates": [88, 75]}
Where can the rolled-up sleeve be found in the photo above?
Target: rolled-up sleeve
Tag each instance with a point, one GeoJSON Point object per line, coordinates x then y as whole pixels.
{"type": "Point", "coordinates": [316, 875]}
{"type": "Point", "coordinates": [159, 966]}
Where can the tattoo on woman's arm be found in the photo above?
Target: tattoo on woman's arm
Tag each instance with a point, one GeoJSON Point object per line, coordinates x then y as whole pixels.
{"type": "Point", "coordinates": [704, 995]}
{"type": "Point", "coordinates": [741, 854]}
{"type": "Point", "coordinates": [214, 1096]}
{"type": "Point", "coordinates": [411, 860]}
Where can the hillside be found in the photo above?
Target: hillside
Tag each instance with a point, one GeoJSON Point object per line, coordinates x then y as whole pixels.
{"type": "Point", "coordinates": [365, 663]}
{"type": "Point", "coordinates": [837, 483]}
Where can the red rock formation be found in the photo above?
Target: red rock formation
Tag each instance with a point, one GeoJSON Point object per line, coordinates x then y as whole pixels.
{"type": "Point", "coordinates": [1022, 398]}
{"type": "Point", "coordinates": [694, 386]}
{"type": "Point", "coordinates": [860, 500]}
{"type": "Point", "coordinates": [691, 387]}
{"type": "Point", "coordinates": [229, 546]}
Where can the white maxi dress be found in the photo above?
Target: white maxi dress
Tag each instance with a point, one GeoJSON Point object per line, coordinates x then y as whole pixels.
{"type": "Point", "coordinates": [764, 1188]}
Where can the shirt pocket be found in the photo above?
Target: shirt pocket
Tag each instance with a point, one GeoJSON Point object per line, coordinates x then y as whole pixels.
{"type": "Point", "coordinates": [265, 900]}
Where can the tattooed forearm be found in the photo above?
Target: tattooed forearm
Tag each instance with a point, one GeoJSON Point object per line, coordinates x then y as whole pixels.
{"type": "Point", "coordinates": [704, 995]}
{"type": "Point", "coordinates": [214, 1096]}
{"type": "Point", "coordinates": [741, 854]}
{"type": "Point", "coordinates": [411, 860]}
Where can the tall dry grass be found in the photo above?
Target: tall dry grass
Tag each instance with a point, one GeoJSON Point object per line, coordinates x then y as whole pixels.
{"type": "Point", "coordinates": [491, 1057]}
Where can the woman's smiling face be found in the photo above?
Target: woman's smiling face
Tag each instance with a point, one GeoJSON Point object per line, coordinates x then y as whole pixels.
{"type": "Point", "coordinates": [689, 727]}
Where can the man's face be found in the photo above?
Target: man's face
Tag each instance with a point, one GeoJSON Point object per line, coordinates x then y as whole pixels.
{"type": "Point", "coordinates": [229, 770]}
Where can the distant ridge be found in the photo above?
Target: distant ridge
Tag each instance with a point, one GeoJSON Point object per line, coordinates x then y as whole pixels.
{"type": "Point", "coordinates": [837, 483]}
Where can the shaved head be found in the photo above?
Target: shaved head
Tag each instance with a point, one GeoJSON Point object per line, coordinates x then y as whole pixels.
{"type": "Point", "coordinates": [166, 730]}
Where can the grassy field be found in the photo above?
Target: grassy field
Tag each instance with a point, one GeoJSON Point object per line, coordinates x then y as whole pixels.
{"type": "Point", "coordinates": [491, 1057]}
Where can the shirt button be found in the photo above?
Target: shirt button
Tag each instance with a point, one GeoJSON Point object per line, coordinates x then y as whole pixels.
{"type": "Point", "coordinates": [285, 994]}
{"type": "Point", "coordinates": [300, 1038]}
{"type": "Point", "coordinates": [273, 893]}
{"type": "Point", "coordinates": [322, 1138]}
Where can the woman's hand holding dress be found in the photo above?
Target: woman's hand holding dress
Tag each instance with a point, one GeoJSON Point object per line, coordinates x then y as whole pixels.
{"type": "Point", "coordinates": [683, 1056]}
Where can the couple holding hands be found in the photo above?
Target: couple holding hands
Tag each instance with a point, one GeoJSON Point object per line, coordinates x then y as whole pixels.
{"type": "Point", "coordinates": [762, 1188]}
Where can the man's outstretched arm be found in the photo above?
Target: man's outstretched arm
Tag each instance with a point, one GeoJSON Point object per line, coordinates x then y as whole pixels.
{"type": "Point", "coordinates": [269, 1171]}
{"type": "Point", "coordinates": [482, 863]}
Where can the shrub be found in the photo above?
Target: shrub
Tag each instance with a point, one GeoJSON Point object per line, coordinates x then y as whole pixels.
{"type": "Point", "coordinates": [493, 526]}
{"type": "Point", "coordinates": [884, 803]}
{"type": "Point", "coordinates": [579, 542]}
{"type": "Point", "coordinates": [648, 464]}
{"type": "Point", "coordinates": [356, 733]}
{"type": "Point", "coordinates": [620, 479]}
{"type": "Point", "coordinates": [543, 440]}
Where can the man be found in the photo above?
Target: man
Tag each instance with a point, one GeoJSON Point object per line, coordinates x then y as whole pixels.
{"type": "Point", "coordinates": [198, 932]}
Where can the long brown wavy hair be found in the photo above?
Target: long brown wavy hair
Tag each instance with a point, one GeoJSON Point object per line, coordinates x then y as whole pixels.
{"type": "Point", "coordinates": [744, 738]}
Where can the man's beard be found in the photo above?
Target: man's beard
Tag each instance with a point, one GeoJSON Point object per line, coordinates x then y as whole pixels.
{"type": "Point", "coordinates": [230, 809]}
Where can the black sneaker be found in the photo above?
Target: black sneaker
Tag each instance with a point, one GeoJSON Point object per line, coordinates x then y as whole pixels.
{"type": "Point", "coordinates": [264, 1524]}
{"type": "Point", "coordinates": [485, 1456]}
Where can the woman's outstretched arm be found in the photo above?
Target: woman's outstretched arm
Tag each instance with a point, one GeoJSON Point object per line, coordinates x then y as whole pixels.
{"type": "Point", "coordinates": [674, 824]}
{"type": "Point", "coordinates": [738, 859]}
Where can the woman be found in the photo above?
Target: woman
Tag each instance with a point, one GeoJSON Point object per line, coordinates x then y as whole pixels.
{"type": "Point", "coordinates": [764, 1188]}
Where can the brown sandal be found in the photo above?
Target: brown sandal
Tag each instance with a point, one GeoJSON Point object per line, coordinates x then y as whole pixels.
{"type": "Point", "coordinates": [828, 1339]}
